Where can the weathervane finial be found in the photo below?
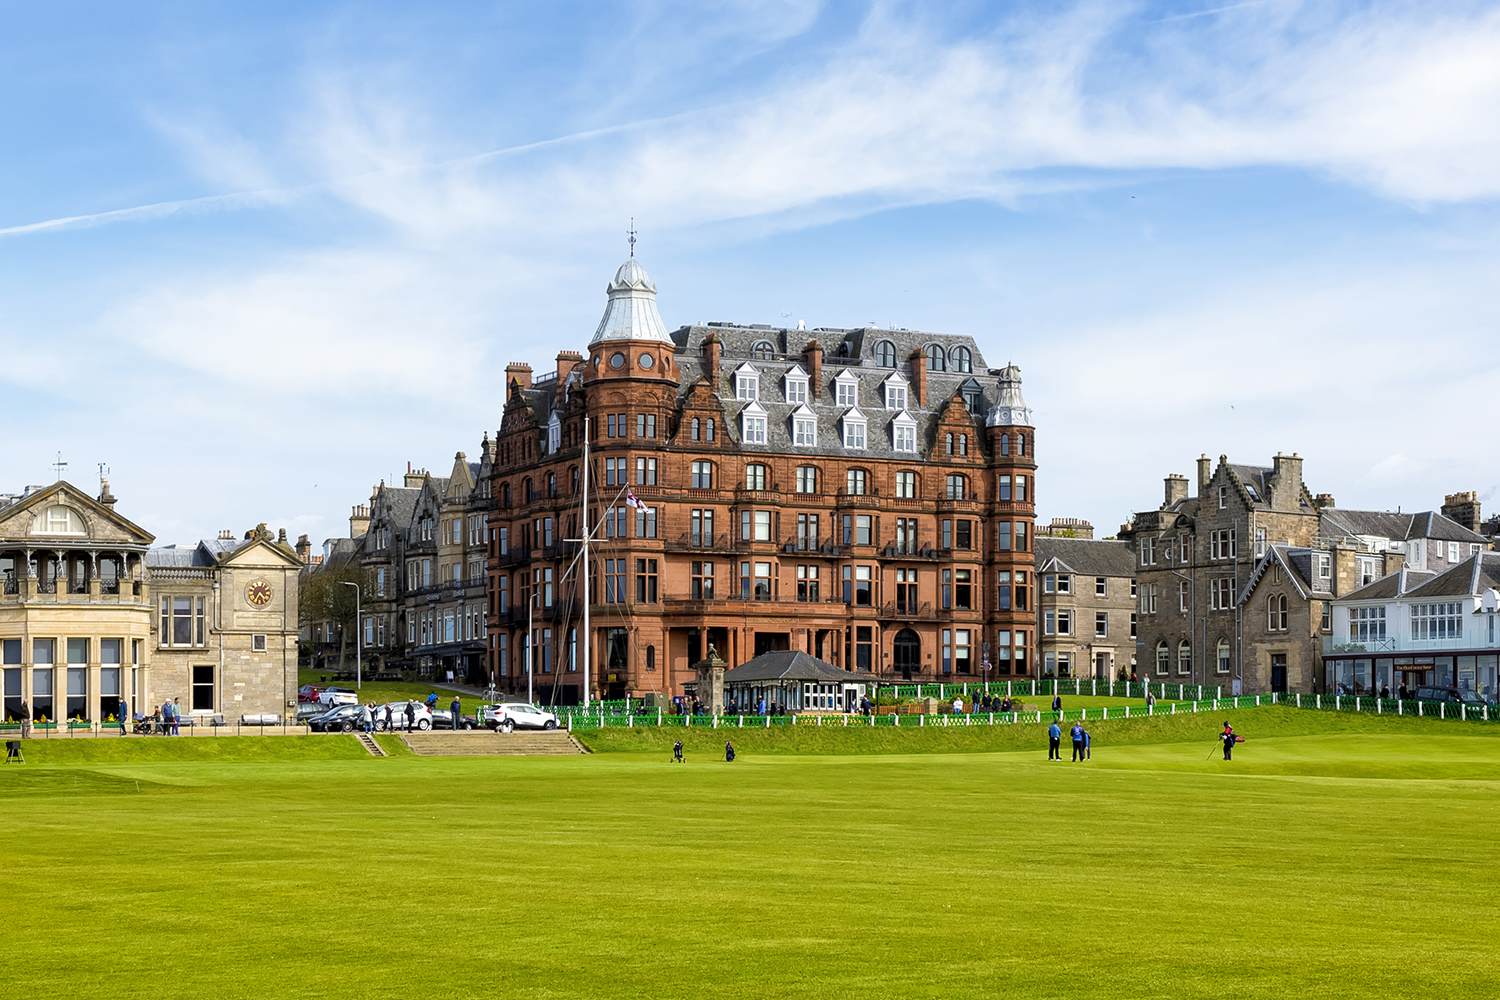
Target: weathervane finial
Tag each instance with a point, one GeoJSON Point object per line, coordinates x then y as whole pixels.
{"type": "Point", "coordinates": [631, 233]}
{"type": "Point", "coordinates": [59, 465]}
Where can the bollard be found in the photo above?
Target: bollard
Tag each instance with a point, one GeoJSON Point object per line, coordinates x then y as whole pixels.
{"type": "Point", "coordinates": [921, 722]}
{"type": "Point", "coordinates": [1127, 711]}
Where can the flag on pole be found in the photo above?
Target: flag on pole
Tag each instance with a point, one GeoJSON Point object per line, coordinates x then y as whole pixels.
{"type": "Point", "coordinates": [631, 501]}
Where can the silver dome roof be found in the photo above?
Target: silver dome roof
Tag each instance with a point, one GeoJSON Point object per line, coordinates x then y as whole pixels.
{"type": "Point", "coordinates": [631, 312]}
{"type": "Point", "coordinates": [1010, 409]}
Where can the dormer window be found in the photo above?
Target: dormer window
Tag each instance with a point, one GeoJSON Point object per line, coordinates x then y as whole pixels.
{"type": "Point", "coordinates": [961, 360]}
{"type": "Point", "coordinates": [753, 424]}
{"type": "Point", "coordinates": [885, 354]}
{"type": "Point", "coordinates": [804, 427]}
{"type": "Point", "coordinates": [904, 432]}
{"type": "Point", "coordinates": [936, 359]}
{"type": "Point", "coordinates": [554, 435]}
{"type": "Point", "coordinates": [796, 385]}
{"type": "Point", "coordinates": [763, 350]}
{"type": "Point", "coordinates": [855, 427]}
{"type": "Point", "coordinates": [746, 383]}
{"type": "Point", "coordinates": [973, 397]}
{"type": "Point", "coordinates": [895, 393]}
{"type": "Point", "coordinates": [846, 387]}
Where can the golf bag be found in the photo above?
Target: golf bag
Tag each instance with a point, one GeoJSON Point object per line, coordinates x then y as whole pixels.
{"type": "Point", "coordinates": [677, 752]}
{"type": "Point", "coordinates": [729, 751]}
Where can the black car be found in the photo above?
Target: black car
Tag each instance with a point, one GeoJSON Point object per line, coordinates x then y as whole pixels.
{"type": "Point", "coordinates": [1451, 695]}
{"type": "Point", "coordinates": [340, 719]}
{"type": "Point", "coordinates": [442, 718]}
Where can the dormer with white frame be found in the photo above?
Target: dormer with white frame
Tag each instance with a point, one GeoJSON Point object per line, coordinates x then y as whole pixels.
{"type": "Point", "coordinates": [747, 382]}
{"type": "Point", "coordinates": [897, 393]}
{"type": "Point", "coordinates": [904, 433]}
{"type": "Point", "coordinates": [753, 424]}
{"type": "Point", "coordinates": [856, 429]}
{"type": "Point", "coordinates": [554, 433]}
{"type": "Point", "coordinates": [804, 427]}
{"type": "Point", "coordinates": [794, 384]}
{"type": "Point", "coordinates": [846, 388]}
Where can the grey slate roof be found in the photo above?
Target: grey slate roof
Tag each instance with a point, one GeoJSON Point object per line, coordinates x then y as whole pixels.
{"type": "Point", "coordinates": [202, 554]}
{"type": "Point", "coordinates": [1391, 585]}
{"type": "Point", "coordinates": [1086, 557]}
{"type": "Point", "coordinates": [791, 665]}
{"type": "Point", "coordinates": [1473, 576]}
{"type": "Point", "coordinates": [1337, 522]}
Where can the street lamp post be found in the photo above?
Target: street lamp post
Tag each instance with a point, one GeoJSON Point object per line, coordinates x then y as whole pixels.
{"type": "Point", "coordinates": [359, 674]}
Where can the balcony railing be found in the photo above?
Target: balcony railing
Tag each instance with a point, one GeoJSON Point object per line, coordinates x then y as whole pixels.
{"type": "Point", "coordinates": [1335, 645]}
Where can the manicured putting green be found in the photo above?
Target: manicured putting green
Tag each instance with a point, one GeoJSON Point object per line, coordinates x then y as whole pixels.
{"type": "Point", "coordinates": [1343, 859]}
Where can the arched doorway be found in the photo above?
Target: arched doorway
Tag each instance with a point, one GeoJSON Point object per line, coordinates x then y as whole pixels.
{"type": "Point", "coordinates": [908, 654]}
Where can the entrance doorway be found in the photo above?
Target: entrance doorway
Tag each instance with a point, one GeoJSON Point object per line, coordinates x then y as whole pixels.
{"type": "Point", "coordinates": [907, 652]}
{"type": "Point", "coordinates": [1101, 666]}
{"type": "Point", "coordinates": [1278, 673]}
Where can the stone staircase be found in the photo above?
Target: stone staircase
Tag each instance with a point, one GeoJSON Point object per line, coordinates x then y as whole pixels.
{"type": "Point", "coordinates": [368, 742]}
{"type": "Point", "coordinates": [483, 743]}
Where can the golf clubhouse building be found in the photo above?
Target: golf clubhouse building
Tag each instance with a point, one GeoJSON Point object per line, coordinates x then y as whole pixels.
{"type": "Point", "coordinates": [796, 681]}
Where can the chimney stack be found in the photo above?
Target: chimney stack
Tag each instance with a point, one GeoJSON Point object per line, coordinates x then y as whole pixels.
{"type": "Point", "coordinates": [518, 372]}
{"type": "Point", "coordinates": [106, 497]}
{"type": "Point", "coordinates": [304, 549]}
{"type": "Point", "coordinates": [1177, 489]}
{"type": "Point", "coordinates": [1286, 482]}
{"type": "Point", "coordinates": [812, 360]}
{"type": "Point", "coordinates": [1205, 473]}
{"type": "Point", "coordinates": [414, 477]}
{"type": "Point", "coordinates": [712, 351]}
{"type": "Point", "coordinates": [1325, 501]}
{"type": "Point", "coordinates": [359, 520]}
{"type": "Point", "coordinates": [227, 535]}
{"type": "Point", "coordinates": [1464, 509]}
{"type": "Point", "coordinates": [917, 365]}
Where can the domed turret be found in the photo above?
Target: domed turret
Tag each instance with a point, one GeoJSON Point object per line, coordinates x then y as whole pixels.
{"type": "Point", "coordinates": [631, 312]}
{"type": "Point", "coordinates": [1010, 408]}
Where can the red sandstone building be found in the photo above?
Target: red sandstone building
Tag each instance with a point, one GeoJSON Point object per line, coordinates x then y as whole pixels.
{"type": "Point", "coordinates": [862, 495]}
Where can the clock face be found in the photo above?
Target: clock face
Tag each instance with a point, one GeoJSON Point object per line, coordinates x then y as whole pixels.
{"type": "Point", "coordinates": [258, 593]}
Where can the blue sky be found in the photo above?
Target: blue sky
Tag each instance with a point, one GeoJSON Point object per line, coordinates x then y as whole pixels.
{"type": "Point", "coordinates": [256, 259]}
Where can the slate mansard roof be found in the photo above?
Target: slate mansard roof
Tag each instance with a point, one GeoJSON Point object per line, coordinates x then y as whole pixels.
{"type": "Point", "coordinates": [791, 665]}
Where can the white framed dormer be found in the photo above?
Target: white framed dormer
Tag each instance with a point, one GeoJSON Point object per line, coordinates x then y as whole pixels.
{"type": "Point", "coordinates": [897, 392]}
{"type": "Point", "coordinates": [904, 433]}
{"type": "Point", "coordinates": [747, 382]}
{"type": "Point", "coordinates": [846, 388]}
{"type": "Point", "coordinates": [855, 428]}
{"type": "Point", "coordinates": [753, 423]}
{"type": "Point", "coordinates": [795, 385]}
{"type": "Point", "coordinates": [804, 427]}
{"type": "Point", "coordinates": [554, 434]}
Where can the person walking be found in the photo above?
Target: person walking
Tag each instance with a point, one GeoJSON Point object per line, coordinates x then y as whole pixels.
{"type": "Point", "coordinates": [1057, 705]}
{"type": "Point", "coordinates": [388, 716]}
{"type": "Point", "coordinates": [25, 721]}
{"type": "Point", "coordinates": [457, 709]}
{"type": "Point", "coordinates": [166, 717]}
{"type": "Point", "coordinates": [1054, 742]}
{"type": "Point", "coordinates": [411, 714]}
{"type": "Point", "coordinates": [176, 716]}
{"type": "Point", "coordinates": [1229, 739]}
{"type": "Point", "coordinates": [367, 717]}
{"type": "Point", "coordinates": [124, 714]}
{"type": "Point", "coordinates": [1077, 741]}
{"type": "Point", "coordinates": [1088, 745]}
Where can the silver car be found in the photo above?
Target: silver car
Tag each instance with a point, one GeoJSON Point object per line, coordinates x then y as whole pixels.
{"type": "Point", "coordinates": [509, 716]}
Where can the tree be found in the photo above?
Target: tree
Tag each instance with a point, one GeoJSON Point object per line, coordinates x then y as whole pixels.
{"type": "Point", "coordinates": [325, 598]}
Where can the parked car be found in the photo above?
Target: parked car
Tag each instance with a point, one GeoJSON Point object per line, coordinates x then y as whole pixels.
{"type": "Point", "coordinates": [331, 696]}
{"type": "Point", "coordinates": [307, 709]}
{"type": "Point", "coordinates": [308, 693]}
{"type": "Point", "coordinates": [442, 718]}
{"type": "Point", "coordinates": [398, 716]}
{"type": "Point", "coordinates": [1451, 695]}
{"type": "Point", "coordinates": [510, 715]}
{"type": "Point", "coordinates": [338, 719]}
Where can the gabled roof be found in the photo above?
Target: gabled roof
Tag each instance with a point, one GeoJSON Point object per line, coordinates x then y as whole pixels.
{"type": "Point", "coordinates": [1283, 556]}
{"type": "Point", "coordinates": [1084, 556]}
{"type": "Point", "coordinates": [66, 493]}
{"type": "Point", "coordinates": [1392, 585]}
{"type": "Point", "coordinates": [1469, 578]}
{"type": "Point", "coordinates": [792, 665]}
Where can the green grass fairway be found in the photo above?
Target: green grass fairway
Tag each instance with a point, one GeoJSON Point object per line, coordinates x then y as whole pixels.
{"type": "Point", "coordinates": [1338, 856]}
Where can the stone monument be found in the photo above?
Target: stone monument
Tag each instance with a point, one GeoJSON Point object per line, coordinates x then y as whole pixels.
{"type": "Point", "coordinates": [711, 682]}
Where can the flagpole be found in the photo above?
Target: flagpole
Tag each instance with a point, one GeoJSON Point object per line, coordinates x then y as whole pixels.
{"type": "Point", "coordinates": [587, 638]}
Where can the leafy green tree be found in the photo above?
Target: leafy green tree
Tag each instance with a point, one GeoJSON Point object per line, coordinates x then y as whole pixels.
{"type": "Point", "coordinates": [325, 598]}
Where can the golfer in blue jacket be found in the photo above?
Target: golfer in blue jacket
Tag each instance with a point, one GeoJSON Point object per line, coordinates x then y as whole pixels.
{"type": "Point", "coordinates": [1054, 742]}
{"type": "Point", "coordinates": [1078, 741]}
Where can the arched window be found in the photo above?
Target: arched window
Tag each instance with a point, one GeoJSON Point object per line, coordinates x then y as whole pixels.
{"type": "Point", "coordinates": [697, 430]}
{"type": "Point", "coordinates": [963, 444]}
{"type": "Point", "coordinates": [1184, 657]}
{"type": "Point", "coordinates": [961, 359]}
{"type": "Point", "coordinates": [551, 484]}
{"type": "Point", "coordinates": [958, 487]}
{"type": "Point", "coordinates": [763, 350]}
{"type": "Point", "coordinates": [949, 443]}
{"type": "Point", "coordinates": [1020, 444]}
{"type": "Point", "coordinates": [1276, 613]}
{"type": "Point", "coordinates": [1005, 444]}
{"type": "Point", "coordinates": [936, 361]}
{"type": "Point", "coordinates": [59, 520]}
{"type": "Point", "coordinates": [755, 477]}
{"type": "Point", "coordinates": [526, 489]}
{"type": "Point", "coordinates": [575, 480]}
{"type": "Point", "coordinates": [650, 657]}
{"type": "Point", "coordinates": [1163, 658]}
{"type": "Point", "coordinates": [708, 434]}
{"type": "Point", "coordinates": [1223, 656]}
{"type": "Point", "coordinates": [885, 354]}
{"type": "Point", "coordinates": [505, 495]}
